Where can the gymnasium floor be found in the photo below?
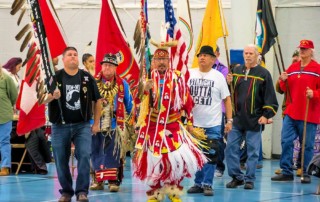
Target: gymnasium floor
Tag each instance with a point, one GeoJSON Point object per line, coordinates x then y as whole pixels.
{"type": "Point", "coordinates": [31, 187]}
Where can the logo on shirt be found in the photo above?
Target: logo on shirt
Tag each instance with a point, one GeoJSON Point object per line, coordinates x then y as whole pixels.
{"type": "Point", "coordinates": [201, 91]}
{"type": "Point", "coordinates": [73, 97]}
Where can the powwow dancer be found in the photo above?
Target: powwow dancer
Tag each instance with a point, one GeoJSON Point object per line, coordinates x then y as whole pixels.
{"type": "Point", "coordinates": [108, 146]}
{"type": "Point", "coordinates": [166, 152]}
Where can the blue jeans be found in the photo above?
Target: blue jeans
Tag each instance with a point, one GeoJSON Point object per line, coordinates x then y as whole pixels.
{"type": "Point", "coordinates": [206, 174]}
{"type": "Point", "coordinates": [5, 146]}
{"type": "Point", "coordinates": [253, 139]}
{"type": "Point", "coordinates": [62, 136]}
{"type": "Point", "coordinates": [222, 145]}
{"type": "Point", "coordinates": [292, 129]}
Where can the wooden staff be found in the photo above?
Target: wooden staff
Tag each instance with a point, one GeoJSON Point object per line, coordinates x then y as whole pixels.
{"type": "Point", "coordinates": [304, 137]}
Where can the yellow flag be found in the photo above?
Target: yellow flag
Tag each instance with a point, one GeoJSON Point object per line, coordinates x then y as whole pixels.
{"type": "Point", "coordinates": [211, 29]}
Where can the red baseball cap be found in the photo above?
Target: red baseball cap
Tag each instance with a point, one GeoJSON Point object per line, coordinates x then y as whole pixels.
{"type": "Point", "coordinates": [306, 44]}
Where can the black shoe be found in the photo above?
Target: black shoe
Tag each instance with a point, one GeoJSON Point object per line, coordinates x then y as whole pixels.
{"type": "Point", "coordinates": [306, 179]}
{"type": "Point", "coordinates": [207, 190]}
{"type": "Point", "coordinates": [195, 190]}
{"type": "Point", "coordinates": [282, 177]}
{"type": "Point", "coordinates": [234, 183]}
{"type": "Point", "coordinates": [249, 185]}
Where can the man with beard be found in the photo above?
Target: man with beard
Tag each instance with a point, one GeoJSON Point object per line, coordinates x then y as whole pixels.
{"type": "Point", "coordinates": [166, 152]}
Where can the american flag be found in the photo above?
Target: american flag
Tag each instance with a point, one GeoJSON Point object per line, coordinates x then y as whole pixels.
{"type": "Point", "coordinates": [179, 54]}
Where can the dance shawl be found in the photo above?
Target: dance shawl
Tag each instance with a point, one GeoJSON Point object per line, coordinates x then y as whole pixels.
{"type": "Point", "coordinates": [166, 151]}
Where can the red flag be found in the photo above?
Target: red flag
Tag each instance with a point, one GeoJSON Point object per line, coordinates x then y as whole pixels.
{"type": "Point", "coordinates": [54, 32]}
{"type": "Point", "coordinates": [32, 115]}
{"type": "Point", "coordinates": [112, 40]}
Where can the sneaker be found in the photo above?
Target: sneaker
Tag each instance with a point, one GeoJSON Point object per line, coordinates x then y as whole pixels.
{"type": "Point", "coordinates": [82, 198]}
{"type": "Point", "coordinates": [195, 190]}
{"type": "Point", "coordinates": [235, 183]}
{"type": "Point", "coordinates": [218, 173]}
{"type": "Point", "coordinates": [207, 190]}
{"type": "Point", "coordinates": [306, 179]}
{"type": "Point", "coordinates": [298, 173]}
{"type": "Point", "coordinates": [65, 198]}
{"type": "Point", "coordinates": [249, 185]}
{"type": "Point", "coordinates": [282, 177]}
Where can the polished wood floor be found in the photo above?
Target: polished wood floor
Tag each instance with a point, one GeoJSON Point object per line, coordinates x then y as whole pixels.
{"type": "Point", "coordinates": [32, 187]}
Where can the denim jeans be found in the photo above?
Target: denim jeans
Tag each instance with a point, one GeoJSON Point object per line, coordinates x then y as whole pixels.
{"type": "Point", "coordinates": [253, 139]}
{"type": "Point", "coordinates": [62, 136]}
{"type": "Point", "coordinates": [222, 145]}
{"type": "Point", "coordinates": [292, 129]}
{"type": "Point", "coordinates": [206, 174]}
{"type": "Point", "coordinates": [5, 146]}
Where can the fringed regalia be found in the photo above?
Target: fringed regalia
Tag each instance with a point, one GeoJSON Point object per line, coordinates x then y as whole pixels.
{"type": "Point", "coordinates": [113, 138]}
{"type": "Point", "coordinates": [166, 151]}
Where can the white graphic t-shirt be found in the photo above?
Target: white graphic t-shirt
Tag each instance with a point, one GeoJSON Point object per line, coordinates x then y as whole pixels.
{"type": "Point", "coordinates": [208, 89]}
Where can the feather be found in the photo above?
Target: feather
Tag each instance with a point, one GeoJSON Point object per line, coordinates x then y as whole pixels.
{"type": "Point", "coordinates": [34, 76]}
{"type": "Point", "coordinates": [39, 85]}
{"type": "Point", "coordinates": [23, 11]}
{"type": "Point", "coordinates": [137, 37]}
{"type": "Point", "coordinates": [23, 31]}
{"type": "Point", "coordinates": [26, 41]}
{"type": "Point", "coordinates": [31, 52]}
{"type": "Point", "coordinates": [33, 65]}
{"type": "Point", "coordinates": [14, 4]}
{"type": "Point", "coordinates": [42, 97]}
{"type": "Point", "coordinates": [17, 7]}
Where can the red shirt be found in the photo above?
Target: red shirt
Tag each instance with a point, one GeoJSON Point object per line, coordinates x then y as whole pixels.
{"type": "Point", "coordinates": [298, 81]}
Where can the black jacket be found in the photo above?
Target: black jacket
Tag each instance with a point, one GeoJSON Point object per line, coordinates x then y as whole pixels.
{"type": "Point", "coordinates": [254, 96]}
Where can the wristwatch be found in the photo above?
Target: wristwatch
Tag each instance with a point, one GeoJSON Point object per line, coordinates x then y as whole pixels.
{"type": "Point", "coordinates": [229, 120]}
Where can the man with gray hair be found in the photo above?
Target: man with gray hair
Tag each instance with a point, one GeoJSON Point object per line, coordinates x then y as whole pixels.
{"type": "Point", "coordinates": [301, 81]}
{"type": "Point", "coordinates": [255, 103]}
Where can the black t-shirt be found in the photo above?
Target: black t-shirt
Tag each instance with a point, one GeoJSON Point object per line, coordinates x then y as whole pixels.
{"type": "Point", "coordinates": [71, 93]}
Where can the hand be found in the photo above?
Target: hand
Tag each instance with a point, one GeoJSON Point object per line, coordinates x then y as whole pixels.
{"type": "Point", "coordinates": [262, 120]}
{"type": "Point", "coordinates": [270, 121]}
{"type": "Point", "coordinates": [56, 94]}
{"type": "Point", "coordinates": [227, 127]}
{"type": "Point", "coordinates": [95, 128]}
{"type": "Point", "coordinates": [309, 93]}
{"type": "Point", "coordinates": [189, 129]}
{"type": "Point", "coordinates": [229, 78]}
{"type": "Point", "coordinates": [148, 85]}
{"type": "Point", "coordinates": [283, 76]}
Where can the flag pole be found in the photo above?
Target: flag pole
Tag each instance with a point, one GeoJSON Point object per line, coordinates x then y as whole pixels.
{"type": "Point", "coordinates": [227, 52]}
{"type": "Point", "coordinates": [224, 34]}
{"type": "Point", "coordinates": [188, 4]}
{"type": "Point", "coordinates": [280, 52]}
{"type": "Point", "coordinates": [283, 68]}
{"type": "Point", "coordinates": [277, 59]}
{"type": "Point", "coordinates": [118, 19]}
